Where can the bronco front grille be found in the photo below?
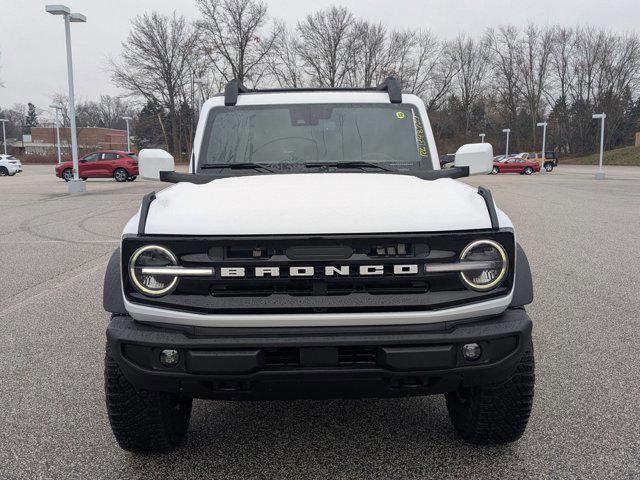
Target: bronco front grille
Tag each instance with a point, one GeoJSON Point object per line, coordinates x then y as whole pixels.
{"type": "Point", "coordinates": [334, 273]}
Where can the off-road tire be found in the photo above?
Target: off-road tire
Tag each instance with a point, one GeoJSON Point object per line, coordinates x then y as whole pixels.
{"type": "Point", "coordinates": [143, 421]}
{"type": "Point", "coordinates": [67, 174]}
{"type": "Point", "coordinates": [495, 170]}
{"type": "Point", "coordinates": [495, 414]}
{"type": "Point", "coordinates": [4, 172]}
{"type": "Point", "coordinates": [120, 175]}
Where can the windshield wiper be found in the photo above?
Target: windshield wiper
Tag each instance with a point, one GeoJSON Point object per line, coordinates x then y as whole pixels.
{"type": "Point", "coordinates": [350, 164]}
{"type": "Point", "coordinates": [239, 166]}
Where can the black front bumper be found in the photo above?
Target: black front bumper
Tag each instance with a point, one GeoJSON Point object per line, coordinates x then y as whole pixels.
{"type": "Point", "coordinates": [286, 363]}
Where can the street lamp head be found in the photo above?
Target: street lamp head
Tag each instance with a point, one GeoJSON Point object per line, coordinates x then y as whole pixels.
{"type": "Point", "coordinates": [57, 107]}
{"type": "Point", "coordinates": [57, 9]}
{"type": "Point", "coordinates": [77, 18]}
{"type": "Point", "coordinates": [127, 118]}
{"type": "Point", "coordinates": [506, 130]}
{"type": "Point", "coordinates": [599, 115]}
{"type": "Point", "coordinates": [542, 124]}
{"type": "Point", "coordinates": [3, 120]}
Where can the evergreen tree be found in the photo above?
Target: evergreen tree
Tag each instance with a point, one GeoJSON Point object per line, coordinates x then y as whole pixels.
{"type": "Point", "coordinates": [148, 127]}
{"type": "Point", "coordinates": [32, 116]}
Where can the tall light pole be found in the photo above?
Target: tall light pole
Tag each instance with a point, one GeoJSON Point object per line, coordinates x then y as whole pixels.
{"type": "Point", "coordinates": [507, 131]}
{"type": "Point", "coordinates": [600, 172]}
{"type": "Point", "coordinates": [76, 185]}
{"type": "Point", "coordinates": [544, 143]}
{"type": "Point", "coordinates": [57, 108]}
{"type": "Point", "coordinates": [482, 135]}
{"type": "Point", "coordinates": [128, 119]}
{"type": "Point", "coordinates": [4, 134]}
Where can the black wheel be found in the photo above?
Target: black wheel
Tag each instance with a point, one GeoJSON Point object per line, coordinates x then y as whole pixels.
{"type": "Point", "coordinates": [495, 170]}
{"type": "Point", "coordinates": [528, 171]}
{"type": "Point", "coordinates": [120, 174]}
{"type": "Point", "coordinates": [67, 174]}
{"type": "Point", "coordinates": [497, 413]}
{"type": "Point", "coordinates": [131, 179]}
{"type": "Point", "coordinates": [548, 167]}
{"type": "Point", "coordinates": [143, 421]}
{"type": "Point", "coordinates": [4, 172]}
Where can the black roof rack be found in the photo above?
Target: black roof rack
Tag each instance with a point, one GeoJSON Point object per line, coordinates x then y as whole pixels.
{"type": "Point", "coordinates": [390, 85]}
{"type": "Point", "coordinates": [231, 91]}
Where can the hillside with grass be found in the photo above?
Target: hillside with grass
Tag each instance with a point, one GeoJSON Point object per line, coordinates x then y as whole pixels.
{"type": "Point", "coordinates": [629, 156]}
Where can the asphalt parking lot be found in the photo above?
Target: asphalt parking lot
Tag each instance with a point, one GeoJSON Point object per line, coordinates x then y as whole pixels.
{"type": "Point", "coordinates": [581, 237]}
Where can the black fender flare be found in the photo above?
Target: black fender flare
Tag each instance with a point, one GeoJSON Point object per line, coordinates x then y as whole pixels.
{"type": "Point", "coordinates": [112, 300]}
{"type": "Point", "coordinates": [523, 288]}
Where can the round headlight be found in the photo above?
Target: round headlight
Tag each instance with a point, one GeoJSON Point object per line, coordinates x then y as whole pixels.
{"type": "Point", "coordinates": [152, 256]}
{"type": "Point", "coordinates": [491, 260]}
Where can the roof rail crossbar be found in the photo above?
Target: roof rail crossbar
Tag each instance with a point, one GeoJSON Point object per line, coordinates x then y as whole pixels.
{"type": "Point", "coordinates": [392, 86]}
{"type": "Point", "coordinates": [231, 91]}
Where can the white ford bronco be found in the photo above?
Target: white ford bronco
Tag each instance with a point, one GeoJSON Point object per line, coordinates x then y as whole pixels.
{"type": "Point", "coordinates": [315, 249]}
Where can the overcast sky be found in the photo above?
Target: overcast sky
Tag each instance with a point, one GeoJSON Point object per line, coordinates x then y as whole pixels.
{"type": "Point", "coordinates": [32, 55]}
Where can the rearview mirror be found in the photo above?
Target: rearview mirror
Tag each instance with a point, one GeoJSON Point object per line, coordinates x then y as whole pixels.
{"type": "Point", "coordinates": [152, 161]}
{"type": "Point", "coordinates": [477, 156]}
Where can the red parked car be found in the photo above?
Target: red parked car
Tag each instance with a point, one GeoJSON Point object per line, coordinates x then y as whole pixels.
{"type": "Point", "coordinates": [117, 164]}
{"type": "Point", "coordinates": [516, 165]}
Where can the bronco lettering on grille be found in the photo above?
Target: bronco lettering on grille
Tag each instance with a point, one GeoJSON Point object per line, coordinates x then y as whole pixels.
{"type": "Point", "coordinates": [328, 271]}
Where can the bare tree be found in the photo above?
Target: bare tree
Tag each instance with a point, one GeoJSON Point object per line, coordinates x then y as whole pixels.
{"type": "Point", "coordinates": [504, 46]}
{"type": "Point", "coordinates": [284, 62]}
{"type": "Point", "coordinates": [561, 78]}
{"type": "Point", "coordinates": [155, 63]}
{"type": "Point", "coordinates": [232, 35]}
{"type": "Point", "coordinates": [325, 46]}
{"type": "Point", "coordinates": [111, 111]}
{"type": "Point", "coordinates": [533, 62]}
{"type": "Point", "coordinates": [369, 54]}
{"type": "Point", "coordinates": [423, 64]}
{"type": "Point", "coordinates": [471, 65]}
{"type": "Point", "coordinates": [88, 114]}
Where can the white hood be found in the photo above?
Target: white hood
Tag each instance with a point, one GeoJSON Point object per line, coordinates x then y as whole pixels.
{"type": "Point", "coordinates": [323, 203]}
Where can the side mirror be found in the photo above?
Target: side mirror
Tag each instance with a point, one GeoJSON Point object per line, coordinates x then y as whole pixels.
{"type": "Point", "coordinates": [477, 156]}
{"type": "Point", "coordinates": [152, 161]}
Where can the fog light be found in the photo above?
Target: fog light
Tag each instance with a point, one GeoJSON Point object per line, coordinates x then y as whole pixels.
{"type": "Point", "coordinates": [169, 357]}
{"type": "Point", "coordinates": [471, 351]}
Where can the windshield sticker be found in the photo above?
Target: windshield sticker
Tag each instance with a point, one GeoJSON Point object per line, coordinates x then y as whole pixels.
{"type": "Point", "coordinates": [400, 115]}
{"type": "Point", "coordinates": [421, 139]}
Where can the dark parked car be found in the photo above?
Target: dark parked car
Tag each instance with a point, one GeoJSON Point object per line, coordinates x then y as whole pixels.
{"type": "Point", "coordinates": [117, 164]}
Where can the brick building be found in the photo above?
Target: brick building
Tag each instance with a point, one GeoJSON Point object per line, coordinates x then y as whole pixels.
{"type": "Point", "coordinates": [42, 140]}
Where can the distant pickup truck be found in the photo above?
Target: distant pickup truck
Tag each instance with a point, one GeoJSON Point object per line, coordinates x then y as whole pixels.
{"type": "Point", "coordinates": [550, 160]}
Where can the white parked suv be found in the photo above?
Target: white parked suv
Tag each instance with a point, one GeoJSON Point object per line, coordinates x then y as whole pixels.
{"type": "Point", "coordinates": [316, 250]}
{"type": "Point", "coordinates": [9, 165]}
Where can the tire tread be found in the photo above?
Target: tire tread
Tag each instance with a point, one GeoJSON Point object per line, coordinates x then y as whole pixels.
{"type": "Point", "coordinates": [143, 421]}
{"type": "Point", "coordinates": [499, 413]}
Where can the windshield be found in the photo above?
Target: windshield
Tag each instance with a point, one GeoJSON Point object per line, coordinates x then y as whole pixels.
{"type": "Point", "coordinates": [299, 134]}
